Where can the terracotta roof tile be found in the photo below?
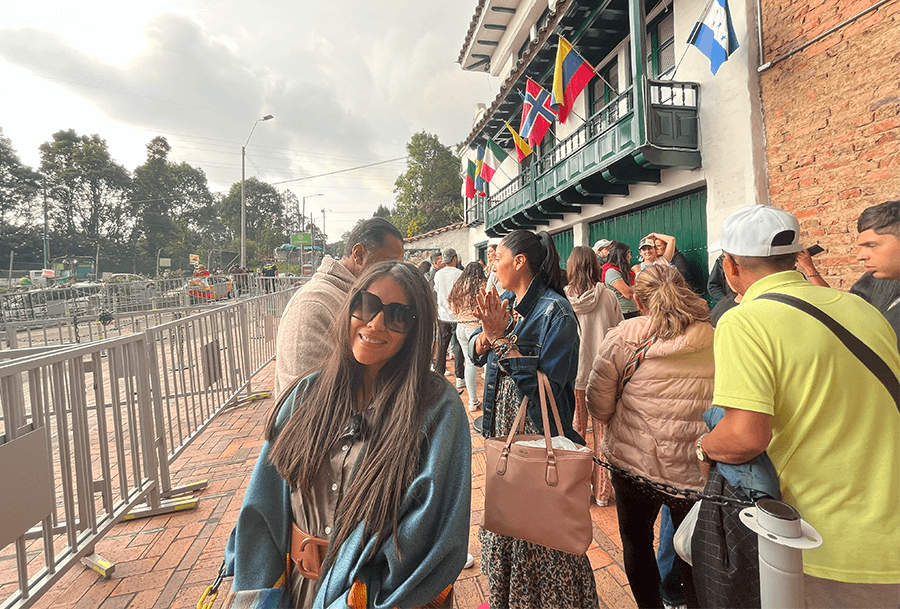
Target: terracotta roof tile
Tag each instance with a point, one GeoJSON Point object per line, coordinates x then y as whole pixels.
{"type": "Point", "coordinates": [519, 69]}
{"type": "Point", "coordinates": [436, 231]}
{"type": "Point", "coordinates": [473, 26]}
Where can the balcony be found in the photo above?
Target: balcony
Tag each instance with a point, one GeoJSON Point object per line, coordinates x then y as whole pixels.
{"type": "Point", "coordinates": [616, 147]}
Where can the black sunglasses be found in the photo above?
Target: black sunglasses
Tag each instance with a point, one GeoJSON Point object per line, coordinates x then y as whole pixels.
{"type": "Point", "coordinates": [397, 317]}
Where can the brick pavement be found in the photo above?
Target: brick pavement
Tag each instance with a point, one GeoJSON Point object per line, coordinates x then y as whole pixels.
{"type": "Point", "coordinates": [167, 561]}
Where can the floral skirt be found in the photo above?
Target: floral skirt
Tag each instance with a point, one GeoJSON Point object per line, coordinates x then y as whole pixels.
{"type": "Point", "coordinates": [600, 475]}
{"type": "Point", "coordinates": [525, 575]}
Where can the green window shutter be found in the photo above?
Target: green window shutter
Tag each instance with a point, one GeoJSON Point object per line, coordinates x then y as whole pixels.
{"type": "Point", "coordinates": [683, 217]}
{"type": "Point", "coordinates": [564, 242]}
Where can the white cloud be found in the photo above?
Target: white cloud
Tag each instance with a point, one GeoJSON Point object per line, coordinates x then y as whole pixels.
{"type": "Point", "coordinates": [348, 83]}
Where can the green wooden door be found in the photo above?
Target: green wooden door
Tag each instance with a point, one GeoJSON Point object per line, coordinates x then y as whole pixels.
{"type": "Point", "coordinates": [564, 242]}
{"type": "Point", "coordinates": [683, 217]}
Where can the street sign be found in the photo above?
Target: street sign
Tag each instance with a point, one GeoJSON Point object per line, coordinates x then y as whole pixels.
{"type": "Point", "coordinates": [195, 259]}
{"type": "Point", "coordinates": [301, 239]}
{"type": "Point", "coordinates": [165, 262]}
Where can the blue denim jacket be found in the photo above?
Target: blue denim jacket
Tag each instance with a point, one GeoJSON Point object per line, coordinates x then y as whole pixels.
{"type": "Point", "coordinates": [547, 338]}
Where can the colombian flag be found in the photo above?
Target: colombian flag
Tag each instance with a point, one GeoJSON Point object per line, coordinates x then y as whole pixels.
{"type": "Point", "coordinates": [570, 78]}
{"type": "Point", "coordinates": [522, 147]}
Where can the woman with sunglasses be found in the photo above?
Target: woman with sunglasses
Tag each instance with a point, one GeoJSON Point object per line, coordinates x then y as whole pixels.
{"type": "Point", "coordinates": [364, 481]}
{"type": "Point", "coordinates": [530, 328]}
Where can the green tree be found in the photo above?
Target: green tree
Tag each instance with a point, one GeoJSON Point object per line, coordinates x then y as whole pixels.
{"type": "Point", "coordinates": [19, 187]}
{"type": "Point", "coordinates": [88, 191]}
{"type": "Point", "coordinates": [428, 193]}
{"type": "Point", "coordinates": [174, 209]}
{"type": "Point", "coordinates": [265, 216]}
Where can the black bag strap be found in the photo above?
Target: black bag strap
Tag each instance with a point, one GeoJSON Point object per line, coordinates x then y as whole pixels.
{"type": "Point", "coordinates": [869, 358]}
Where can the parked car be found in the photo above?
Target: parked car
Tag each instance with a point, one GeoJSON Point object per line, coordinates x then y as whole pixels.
{"type": "Point", "coordinates": [213, 287]}
{"type": "Point", "coordinates": [125, 292]}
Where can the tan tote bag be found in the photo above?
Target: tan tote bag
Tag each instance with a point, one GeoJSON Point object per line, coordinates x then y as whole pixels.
{"type": "Point", "coordinates": [541, 495]}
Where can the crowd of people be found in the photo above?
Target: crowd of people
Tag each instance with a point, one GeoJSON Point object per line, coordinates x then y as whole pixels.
{"type": "Point", "coordinates": [364, 481]}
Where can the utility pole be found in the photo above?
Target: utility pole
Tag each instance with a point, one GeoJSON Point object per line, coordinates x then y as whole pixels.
{"type": "Point", "coordinates": [46, 237]}
{"type": "Point", "coordinates": [243, 204]}
{"type": "Point", "coordinates": [303, 221]}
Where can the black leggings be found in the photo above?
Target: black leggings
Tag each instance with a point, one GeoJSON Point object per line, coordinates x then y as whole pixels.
{"type": "Point", "coordinates": [637, 506]}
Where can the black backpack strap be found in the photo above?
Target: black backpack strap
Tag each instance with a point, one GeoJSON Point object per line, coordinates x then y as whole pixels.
{"type": "Point", "coordinates": [869, 358]}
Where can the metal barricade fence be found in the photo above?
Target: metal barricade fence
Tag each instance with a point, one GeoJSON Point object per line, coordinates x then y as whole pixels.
{"type": "Point", "coordinates": [76, 453]}
{"type": "Point", "coordinates": [89, 433]}
{"type": "Point", "coordinates": [80, 300]}
{"type": "Point", "coordinates": [78, 329]}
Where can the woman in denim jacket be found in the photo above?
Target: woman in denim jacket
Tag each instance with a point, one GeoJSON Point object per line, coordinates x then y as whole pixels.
{"type": "Point", "coordinates": [531, 326]}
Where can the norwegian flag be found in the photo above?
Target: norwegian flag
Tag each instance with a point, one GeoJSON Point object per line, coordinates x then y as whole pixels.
{"type": "Point", "coordinates": [537, 114]}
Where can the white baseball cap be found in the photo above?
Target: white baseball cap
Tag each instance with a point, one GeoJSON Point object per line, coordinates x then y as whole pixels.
{"type": "Point", "coordinates": [759, 231]}
{"type": "Point", "coordinates": [601, 244]}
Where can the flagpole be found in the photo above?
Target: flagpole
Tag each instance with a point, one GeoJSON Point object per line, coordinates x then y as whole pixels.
{"type": "Point", "coordinates": [693, 31]}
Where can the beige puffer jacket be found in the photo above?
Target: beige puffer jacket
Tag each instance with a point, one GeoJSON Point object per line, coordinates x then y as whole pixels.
{"type": "Point", "coordinates": [654, 426]}
{"type": "Point", "coordinates": [597, 311]}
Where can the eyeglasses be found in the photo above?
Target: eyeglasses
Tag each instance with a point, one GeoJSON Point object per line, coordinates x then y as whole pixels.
{"type": "Point", "coordinates": [397, 317]}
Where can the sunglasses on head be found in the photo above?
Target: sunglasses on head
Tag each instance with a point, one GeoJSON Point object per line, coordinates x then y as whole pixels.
{"type": "Point", "coordinates": [397, 317]}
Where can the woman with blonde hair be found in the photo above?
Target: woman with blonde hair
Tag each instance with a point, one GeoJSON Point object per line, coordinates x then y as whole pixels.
{"type": "Point", "coordinates": [597, 310]}
{"type": "Point", "coordinates": [651, 382]}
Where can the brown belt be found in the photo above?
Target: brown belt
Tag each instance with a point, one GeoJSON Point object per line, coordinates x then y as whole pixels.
{"type": "Point", "coordinates": [307, 552]}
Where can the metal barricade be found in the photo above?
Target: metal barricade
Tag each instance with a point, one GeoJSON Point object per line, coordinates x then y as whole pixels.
{"type": "Point", "coordinates": [89, 433]}
{"type": "Point", "coordinates": [78, 422]}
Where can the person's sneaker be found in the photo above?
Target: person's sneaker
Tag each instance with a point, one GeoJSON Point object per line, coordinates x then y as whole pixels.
{"type": "Point", "coordinates": [474, 407]}
{"type": "Point", "coordinates": [470, 561]}
{"type": "Point", "coordinates": [460, 383]}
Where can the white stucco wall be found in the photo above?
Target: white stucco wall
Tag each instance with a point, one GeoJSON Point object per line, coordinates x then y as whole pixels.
{"type": "Point", "coordinates": [731, 133]}
{"type": "Point", "coordinates": [457, 239]}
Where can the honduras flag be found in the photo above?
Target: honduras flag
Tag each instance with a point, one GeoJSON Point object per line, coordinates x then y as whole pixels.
{"type": "Point", "coordinates": [714, 35]}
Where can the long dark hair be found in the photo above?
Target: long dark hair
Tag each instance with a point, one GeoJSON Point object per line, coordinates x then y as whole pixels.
{"type": "Point", "coordinates": [618, 257]}
{"type": "Point", "coordinates": [404, 389]}
{"type": "Point", "coordinates": [582, 270]}
{"type": "Point", "coordinates": [467, 287]}
{"type": "Point", "coordinates": [541, 254]}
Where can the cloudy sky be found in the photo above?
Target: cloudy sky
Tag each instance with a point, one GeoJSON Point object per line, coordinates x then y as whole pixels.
{"type": "Point", "coordinates": [348, 83]}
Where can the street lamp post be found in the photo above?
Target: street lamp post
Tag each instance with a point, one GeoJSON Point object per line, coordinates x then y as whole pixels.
{"type": "Point", "coordinates": [243, 205]}
{"type": "Point", "coordinates": [303, 224]}
{"type": "Point", "coordinates": [323, 233]}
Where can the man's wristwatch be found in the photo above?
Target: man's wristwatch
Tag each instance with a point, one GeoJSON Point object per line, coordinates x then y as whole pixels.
{"type": "Point", "coordinates": [701, 454]}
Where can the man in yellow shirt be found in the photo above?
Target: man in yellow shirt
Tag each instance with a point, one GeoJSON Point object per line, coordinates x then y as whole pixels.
{"type": "Point", "coordinates": [790, 387]}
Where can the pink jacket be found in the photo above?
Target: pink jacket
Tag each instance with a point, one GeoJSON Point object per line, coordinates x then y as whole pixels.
{"type": "Point", "coordinates": [597, 310]}
{"type": "Point", "coordinates": [655, 424]}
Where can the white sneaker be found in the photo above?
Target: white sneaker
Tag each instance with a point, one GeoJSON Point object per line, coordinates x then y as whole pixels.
{"type": "Point", "coordinates": [460, 383]}
{"type": "Point", "coordinates": [474, 407]}
{"type": "Point", "coordinates": [470, 561]}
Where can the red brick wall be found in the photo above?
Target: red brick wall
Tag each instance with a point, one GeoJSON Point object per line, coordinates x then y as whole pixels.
{"type": "Point", "coordinates": [831, 120]}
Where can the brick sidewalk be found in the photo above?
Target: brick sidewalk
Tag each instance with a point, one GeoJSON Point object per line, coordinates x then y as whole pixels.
{"type": "Point", "coordinates": [167, 561]}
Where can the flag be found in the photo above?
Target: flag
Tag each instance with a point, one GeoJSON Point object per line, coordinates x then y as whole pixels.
{"type": "Point", "coordinates": [522, 147]}
{"type": "Point", "coordinates": [470, 180]}
{"type": "Point", "coordinates": [714, 35]}
{"type": "Point", "coordinates": [572, 75]}
{"type": "Point", "coordinates": [493, 156]}
{"type": "Point", "coordinates": [480, 184]}
{"type": "Point", "coordinates": [537, 114]}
